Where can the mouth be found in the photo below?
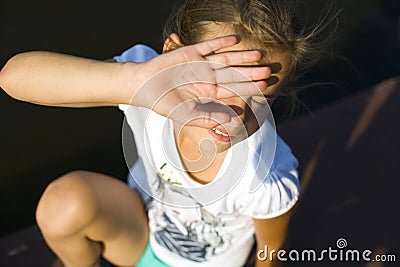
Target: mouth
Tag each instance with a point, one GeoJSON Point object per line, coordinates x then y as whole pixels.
{"type": "Point", "coordinates": [220, 134]}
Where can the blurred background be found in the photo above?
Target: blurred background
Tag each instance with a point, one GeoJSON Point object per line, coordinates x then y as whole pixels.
{"type": "Point", "coordinates": [38, 144]}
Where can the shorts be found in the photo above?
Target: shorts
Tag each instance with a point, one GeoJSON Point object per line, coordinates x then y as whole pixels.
{"type": "Point", "coordinates": [149, 259]}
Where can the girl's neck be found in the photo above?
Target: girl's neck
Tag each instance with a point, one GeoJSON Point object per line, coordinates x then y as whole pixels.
{"type": "Point", "coordinates": [201, 164]}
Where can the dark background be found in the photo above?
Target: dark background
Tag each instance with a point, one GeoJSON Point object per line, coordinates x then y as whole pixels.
{"type": "Point", "coordinates": [39, 144]}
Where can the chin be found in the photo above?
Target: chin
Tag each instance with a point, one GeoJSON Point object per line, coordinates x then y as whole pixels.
{"type": "Point", "coordinates": [222, 147]}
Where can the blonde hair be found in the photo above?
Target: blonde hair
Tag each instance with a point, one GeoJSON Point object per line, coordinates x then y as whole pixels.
{"type": "Point", "coordinates": [262, 24]}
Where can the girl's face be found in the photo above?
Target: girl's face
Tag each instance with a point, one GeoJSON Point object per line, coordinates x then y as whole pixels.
{"type": "Point", "coordinates": [252, 110]}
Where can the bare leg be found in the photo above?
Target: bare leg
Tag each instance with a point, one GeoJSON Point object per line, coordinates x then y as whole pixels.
{"type": "Point", "coordinates": [83, 215]}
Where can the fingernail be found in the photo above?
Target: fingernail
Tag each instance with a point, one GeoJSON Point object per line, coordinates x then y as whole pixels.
{"type": "Point", "coordinates": [263, 53]}
{"type": "Point", "coordinates": [238, 38]}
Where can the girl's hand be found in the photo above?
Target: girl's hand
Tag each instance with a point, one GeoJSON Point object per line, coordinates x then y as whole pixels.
{"type": "Point", "coordinates": [187, 83]}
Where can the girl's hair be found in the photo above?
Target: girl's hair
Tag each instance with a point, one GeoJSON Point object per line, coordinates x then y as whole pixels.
{"type": "Point", "coordinates": [272, 25]}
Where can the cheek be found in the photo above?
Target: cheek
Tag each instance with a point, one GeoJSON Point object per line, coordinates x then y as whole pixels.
{"type": "Point", "coordinates": [192, 131]}
{"type": "Point", "coordinates": [275, 84]}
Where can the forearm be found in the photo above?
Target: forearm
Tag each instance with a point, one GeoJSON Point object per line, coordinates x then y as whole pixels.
{"type": "Point", "coordinates": [61, 80]}
{"type": "Point", "coordinates": [271, 236]}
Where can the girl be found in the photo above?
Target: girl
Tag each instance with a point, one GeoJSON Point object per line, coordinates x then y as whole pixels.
{"type": "Point", "coordinates": [211, 173]}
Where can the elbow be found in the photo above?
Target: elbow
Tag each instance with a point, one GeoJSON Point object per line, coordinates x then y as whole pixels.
{"type": "Point", "coordinates": [3, 78]}
{"type": "Point", "coordinates": [6, 79]}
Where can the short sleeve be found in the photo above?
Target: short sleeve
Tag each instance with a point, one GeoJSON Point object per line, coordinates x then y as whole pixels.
{"type": "Point", "coordinates": [279, 190]}
{"type": "Point", "coordinates": [138, 53]}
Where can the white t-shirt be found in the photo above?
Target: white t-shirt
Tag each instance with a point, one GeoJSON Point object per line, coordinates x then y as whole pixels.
{"type": "Point", "coordinates": [206, 225]}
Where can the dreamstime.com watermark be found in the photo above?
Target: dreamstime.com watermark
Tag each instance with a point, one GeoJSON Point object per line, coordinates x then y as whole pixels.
{"type": "Point", "coordinates": [340, 253]}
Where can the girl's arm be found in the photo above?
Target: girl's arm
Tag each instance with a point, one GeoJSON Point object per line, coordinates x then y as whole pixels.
{"type": "Point", "coordinates": [270, 236]}
{"type": "Point", "coordinates": [61, 80]}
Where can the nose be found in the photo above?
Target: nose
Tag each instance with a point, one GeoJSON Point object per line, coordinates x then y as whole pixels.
{"type": "Point", "coordinates": [239, 111]}
{"type": "Point", "coordinates": [238, 106]}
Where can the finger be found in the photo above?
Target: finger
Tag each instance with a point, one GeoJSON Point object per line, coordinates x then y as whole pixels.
{"type": "Point", "coordinates": [242, 74]}
{"type": "Point", "coordinates": [236, 57]}
{"type": "Point", "coordinates": [205, 121]}
{"type": "Point", "coordinates": [208, 120]}
{"type": "Point", "coordinates": [240, 89]}
{"type": "Point", "coordinates": [203, 118]}
{"type": "Point", "coordinates": [205, 113]}
{"type": "Point", "coordinates": [209, 46]}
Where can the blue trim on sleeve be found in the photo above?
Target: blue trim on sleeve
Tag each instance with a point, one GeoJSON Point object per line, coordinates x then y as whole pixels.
{"type": "Point", "coordinates": [138, 53]}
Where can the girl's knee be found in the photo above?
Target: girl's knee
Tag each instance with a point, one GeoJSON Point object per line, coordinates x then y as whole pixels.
{"type": "Point", "coordinates": [67, 205]}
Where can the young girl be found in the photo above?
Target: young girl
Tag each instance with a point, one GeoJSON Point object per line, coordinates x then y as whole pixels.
{"type": "Point", "coordinates": [211, 172]}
